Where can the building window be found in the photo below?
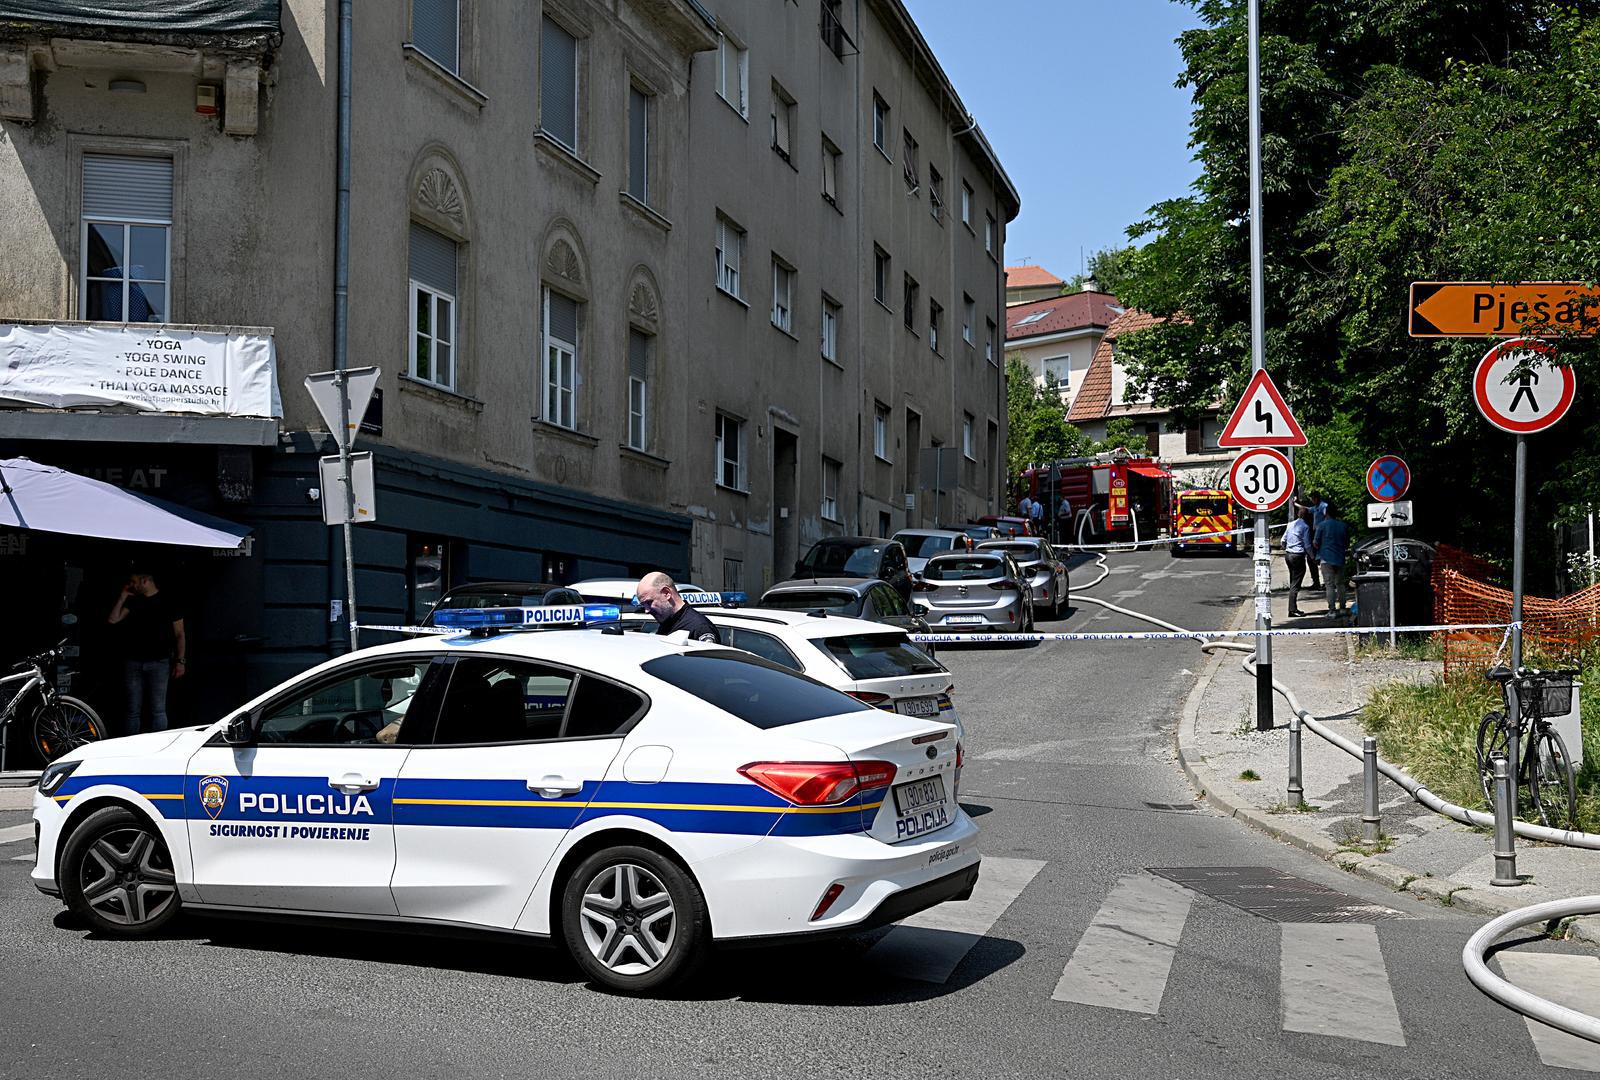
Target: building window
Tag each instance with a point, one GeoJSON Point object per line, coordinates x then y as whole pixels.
{"type": "Point", "coordinates": [966, 437]}
{"type": "Point", "coordinates": [909, 292]}
{"type": "Point", "coordinates": [988, 341]}
{"type": "Point", "coordinates": [730, 452]}
{"type": "Point", "coordinates": [885, 524]}
{"type": "Point", "coordinates": [880, 124]}
{"type": "Point", "coordinates": [782, 295]}
{"type": "Point", "coordinates": [833, 27]}
{"type": "Point", "coordinates": [969, 314]}
{"type": "Point", "coordinates": [639, 390]}
{"type": "Point", "coordinates": [432, 260]}
{"type": "Point", "coordinates": [126, 239]}
{"type": "Point", "coordinates": [730, 257]}
{"type": "Point", "coordinates": [639, 144]}
{"type": "Point", "coordinates": [436, 32]}
{"type": "Point", "coordinates": [558, 84]}
{"type": "Point", "coordinates": [935, 324]}
{"type": "Point", "coordinates": [830, 171]}
{"type": "Point", "coordinates": [733, 74]}
{"type": "Point", "coordinates": [832, 471]}
{"type": "Point", "coordinates": [880, 430]}
{"type": "Point", "coordinates": [732, 575]}
{"type": "Point", "coordinates": [782, 121]}
{"type": "Point", "coordinates": [936, 194]}
{"type": "Point", "coordinates": [880, 275]}
{"type": "Point", "coordinates": [830, 330]}
{"type": "Point", "coordinates": [909, 163]}
{"type": "Point", "coordinates": [560, 359]}
{"type": "Point", "coordinates": [966, 204]}
{"type": "Point", "coordinates": [988, 232]}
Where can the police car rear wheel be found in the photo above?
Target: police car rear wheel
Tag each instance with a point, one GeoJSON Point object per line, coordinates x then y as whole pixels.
{"type": "Point", "coordinates": [116, 874]}
{"type": "Point", "coordinates": [633, 920]}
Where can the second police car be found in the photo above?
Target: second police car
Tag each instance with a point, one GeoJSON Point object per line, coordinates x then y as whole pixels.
{"type": "Point", "coordinates": [635, 798]}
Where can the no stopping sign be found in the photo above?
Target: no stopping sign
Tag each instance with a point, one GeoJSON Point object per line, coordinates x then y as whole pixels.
{"type": "Point", "coordinates": [1261, 479]}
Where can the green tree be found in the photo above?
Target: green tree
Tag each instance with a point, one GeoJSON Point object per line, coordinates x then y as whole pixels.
{"type": "Point", "coordinates": [1107, 269]}
{"type": "Point", "coordinates": [1121, 434]}
{"type": "Point", "coordinates": [1037, 426]}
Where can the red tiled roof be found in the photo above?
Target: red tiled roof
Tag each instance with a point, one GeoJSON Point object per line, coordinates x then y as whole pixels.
{"type": "Point", "coordinates": [1075, 311]}
{"type": "Point", "coordinates": [1094, 396]}
{"type": "Point", "coordinates": [1027, 277]}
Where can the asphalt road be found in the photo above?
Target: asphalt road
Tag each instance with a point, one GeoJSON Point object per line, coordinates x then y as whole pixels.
{"type": "Point", "coordinates": [1074, 959]}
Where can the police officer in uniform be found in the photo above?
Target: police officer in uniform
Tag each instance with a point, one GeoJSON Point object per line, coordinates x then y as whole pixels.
{"type": "Point", "coordinates": [658, 594]}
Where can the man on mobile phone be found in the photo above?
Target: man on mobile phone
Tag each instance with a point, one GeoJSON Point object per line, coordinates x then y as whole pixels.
{"type": "Point", "coordinates": [154, 649]}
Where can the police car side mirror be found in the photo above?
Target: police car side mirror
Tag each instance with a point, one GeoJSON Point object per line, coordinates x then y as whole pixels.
{"type": "Point", "coordinates": [239, 732]}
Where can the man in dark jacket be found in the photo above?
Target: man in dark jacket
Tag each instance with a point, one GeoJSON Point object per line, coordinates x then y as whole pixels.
{"type": "Point", "coordinates": [658, 594]}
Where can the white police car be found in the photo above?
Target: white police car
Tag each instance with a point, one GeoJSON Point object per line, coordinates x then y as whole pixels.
{"type": "Point", "coordinates": [637, 798]}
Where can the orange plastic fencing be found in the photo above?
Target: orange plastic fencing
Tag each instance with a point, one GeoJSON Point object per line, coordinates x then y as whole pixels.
{"type": "Point", "coordinates": [1558, 630]}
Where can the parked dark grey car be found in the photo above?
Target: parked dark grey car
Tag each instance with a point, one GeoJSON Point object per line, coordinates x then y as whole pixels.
{"type": "Point", "coordinates": [855, 597]}
{"type": "Point", "coordinates": [857, 557]}
{"type": "Point", "coordinates": [1046, 571]}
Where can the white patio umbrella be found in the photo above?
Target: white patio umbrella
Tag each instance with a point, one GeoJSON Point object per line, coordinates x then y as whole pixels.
{"type": "Point", "coordinates": [47, 499]}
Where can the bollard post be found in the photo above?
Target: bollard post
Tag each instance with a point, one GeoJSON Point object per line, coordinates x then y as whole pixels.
{"type": "Point", "coordinates": [1371, 823]}
{"type": "Point", "coordinates": [1505, 837]}
{"type": "Point", "coordinates": [1297, 791]}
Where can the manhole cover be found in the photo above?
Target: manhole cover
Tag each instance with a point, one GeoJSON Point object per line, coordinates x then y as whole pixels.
{"type": "Point", "coordinates": [1274, 895]}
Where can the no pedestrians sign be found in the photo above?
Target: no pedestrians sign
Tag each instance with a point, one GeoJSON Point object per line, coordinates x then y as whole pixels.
{"type": "Point", "coordinates": [1520, 388]}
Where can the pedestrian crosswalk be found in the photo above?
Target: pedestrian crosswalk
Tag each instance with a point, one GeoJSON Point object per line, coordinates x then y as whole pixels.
{"type": "Point", "coordinates": [12, 834]}
{"type": "Point", "coordinates": [1333, 978]}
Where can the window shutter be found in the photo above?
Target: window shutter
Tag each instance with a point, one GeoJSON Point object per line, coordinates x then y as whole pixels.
{"type": "Point", "coordinates": [433, 260]}
{"type": "Point", "coordinates": [638, 136]}
{"type": "Point", "coordinates": [435, 29]}
{"type": "Point", "coordinates": [638, 355]}
{"type": "Point", "coordinates": [563, 323]}
{"type": "Point", "coordinates": [558, 82]}
{"type": "Point", "coordinates": [1191, 439]}
{"type": "Point", "coordinates": [127, 187]}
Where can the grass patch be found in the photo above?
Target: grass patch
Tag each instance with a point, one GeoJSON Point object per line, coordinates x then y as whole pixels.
{"type": "Point", "coordinates": [1430, 729]}
{"type": "Point", "coordinates": [1249, 774]}
{"type": "Point", "coordinates": [1285, 808]}
{"type": "Point", "coordinates": [1349, 839]}
{"type": "Point", "coordinates": [1407, 647]}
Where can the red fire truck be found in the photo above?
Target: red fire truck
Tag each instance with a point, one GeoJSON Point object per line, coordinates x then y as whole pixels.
{"type": "Point", "coordinates": [1115, 497]}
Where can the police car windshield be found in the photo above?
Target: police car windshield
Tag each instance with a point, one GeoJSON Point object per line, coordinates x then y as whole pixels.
{"type": "Point", "coordinates": [920, 547]}
{"type": "Point", "coordinates": [834, 600]}
{"type": "Point", "coordinates": [842, 559]}
{"type": "Point", "coordinates": [954, 569]}
{"type": "Point", "coordinates": [757, 691]}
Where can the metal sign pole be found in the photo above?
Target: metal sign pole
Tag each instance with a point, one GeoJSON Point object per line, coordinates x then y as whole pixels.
{"type": "Point", "coordinates": [1519, 523]}
{"type": "Point", "coordinates": [1391, 581]}
{"type": "Point", "coordinates": [341, 299]}
{"type": "Point", "coordinates": [349, 508]}
{"type": "Point", "coordinates": [1263, 543]}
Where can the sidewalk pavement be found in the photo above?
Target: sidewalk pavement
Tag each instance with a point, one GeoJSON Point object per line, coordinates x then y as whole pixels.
{"type": "Point", "coordinates": [1432, 856]}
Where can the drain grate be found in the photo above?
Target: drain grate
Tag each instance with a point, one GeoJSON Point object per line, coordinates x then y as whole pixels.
{"type": "Point", "coordinates": [1274, 895]}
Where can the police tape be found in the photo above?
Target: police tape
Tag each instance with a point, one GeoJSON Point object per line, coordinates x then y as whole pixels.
{"type": "Point", "coordinates": [1201, 635]}
{"type": "Point", "coordinates": [1191, 538]}
{"type": "Point", "coordinates": [438, 631]}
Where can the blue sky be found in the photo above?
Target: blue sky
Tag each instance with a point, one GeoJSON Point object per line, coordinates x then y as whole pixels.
{"type": "Point", "coordinates": [1077, 98]}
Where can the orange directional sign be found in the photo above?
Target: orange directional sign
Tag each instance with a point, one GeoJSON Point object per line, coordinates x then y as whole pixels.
{"type": "Point", "coordinates": [1487, 309]}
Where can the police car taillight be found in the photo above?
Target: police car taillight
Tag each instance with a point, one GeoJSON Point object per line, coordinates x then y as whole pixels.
{"type": "Point", "coordinates": [819, 783]}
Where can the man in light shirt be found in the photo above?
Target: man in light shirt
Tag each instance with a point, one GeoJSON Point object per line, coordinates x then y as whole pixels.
{"type": "Point", "coordinates": [1296, 546]}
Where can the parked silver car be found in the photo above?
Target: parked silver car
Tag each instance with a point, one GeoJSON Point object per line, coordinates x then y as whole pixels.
{"type": "Point", "coordinates": [923, 544]}
{"type": "Point", "coordinates": [974, 590]}
{"type": "Point", "coordinates": [1045, 570]}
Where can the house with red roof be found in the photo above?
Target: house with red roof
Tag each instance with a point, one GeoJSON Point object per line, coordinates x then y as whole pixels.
{"type": "Point", "coordinates": [1025, 283]}
{"type": "Point", "coordinates": [1056, 338]}
{"type": "Point", "coordinates": [1104, 394]}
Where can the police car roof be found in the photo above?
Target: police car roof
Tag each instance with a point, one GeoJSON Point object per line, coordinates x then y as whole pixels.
{"type": "Point", "coordinates": [579, 647]}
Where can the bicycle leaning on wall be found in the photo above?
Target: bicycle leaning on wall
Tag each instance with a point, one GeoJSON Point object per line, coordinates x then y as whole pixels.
{"type": "Point", "coordinates": [54, 721]}
{"type": "Point", "coordinates": [1544, 777]}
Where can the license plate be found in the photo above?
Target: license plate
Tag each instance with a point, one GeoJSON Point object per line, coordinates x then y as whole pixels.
{"type": "Point", "coordinates": [921, 807]}
{"type": "Point", "coordinates": [963, 620]}
{"type": "Point", "coordinates": [917, 706]}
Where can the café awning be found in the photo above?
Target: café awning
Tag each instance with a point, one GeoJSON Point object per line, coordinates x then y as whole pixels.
{"type": "Point", "coordinates": [1151, 471]}
{"type": "Point", "coordinates": [47, 499]}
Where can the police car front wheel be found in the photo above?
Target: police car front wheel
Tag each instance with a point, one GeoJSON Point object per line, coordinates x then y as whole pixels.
{"type": "Point", "coordinates": [116, 874]}
{"type": "Point", "coordinates": [633, 919]}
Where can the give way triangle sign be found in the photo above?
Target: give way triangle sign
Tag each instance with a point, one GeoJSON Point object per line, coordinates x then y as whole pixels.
{"type": "Point", "coordinates": [1261, 418]}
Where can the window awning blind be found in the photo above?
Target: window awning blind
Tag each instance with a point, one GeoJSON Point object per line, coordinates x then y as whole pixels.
{"type": "Point", "coordinates": [433, 260]}
{"type": "Point", "coordinates": [127, 187]}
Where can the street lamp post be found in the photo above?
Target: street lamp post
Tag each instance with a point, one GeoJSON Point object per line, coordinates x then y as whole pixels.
{"type": "Point", "coordinates": [1263, 543]}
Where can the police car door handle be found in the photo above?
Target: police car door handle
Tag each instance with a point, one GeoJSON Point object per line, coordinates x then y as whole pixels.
{"type": "Point", "coordinates": [352, 782]}
{"type": "Point", "coordinates": [552, 787]}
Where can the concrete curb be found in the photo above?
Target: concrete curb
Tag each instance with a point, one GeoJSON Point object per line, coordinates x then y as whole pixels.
{"type": "Point", "coordinates": [1221, 796]}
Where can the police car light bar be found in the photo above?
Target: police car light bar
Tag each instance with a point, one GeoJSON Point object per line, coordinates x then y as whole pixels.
{"type": "Point", "coordinates": [527, 618]}
{"type": "Point", "coordinates": [715, 599]}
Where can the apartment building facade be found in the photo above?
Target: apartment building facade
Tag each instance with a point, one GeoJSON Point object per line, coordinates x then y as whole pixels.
{"type": "Point", "coordinates": [571, 384]}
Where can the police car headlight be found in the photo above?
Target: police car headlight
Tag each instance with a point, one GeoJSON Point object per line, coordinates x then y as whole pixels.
{"type": "Point", "coordinates": [55, 775]}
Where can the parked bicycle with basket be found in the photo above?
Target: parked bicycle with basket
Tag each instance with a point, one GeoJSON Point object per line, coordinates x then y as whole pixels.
{"type": "Point", "coordinates": [1544, 779]}
{"type": "Point", "coordinates": [53, 722]}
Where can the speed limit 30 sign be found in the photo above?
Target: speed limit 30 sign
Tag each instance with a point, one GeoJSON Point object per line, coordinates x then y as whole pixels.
{"type": "Point", "coordinates": [1261, 479]}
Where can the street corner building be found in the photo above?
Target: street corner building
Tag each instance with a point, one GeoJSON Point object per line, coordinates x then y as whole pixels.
{"type": "Point", "coordinates": [658, 284]}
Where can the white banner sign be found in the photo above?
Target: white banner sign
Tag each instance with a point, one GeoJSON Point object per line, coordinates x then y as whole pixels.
{"type": "Point", "coordinates": [151, 368]}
